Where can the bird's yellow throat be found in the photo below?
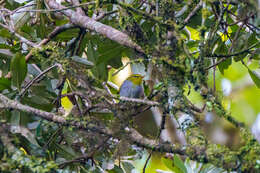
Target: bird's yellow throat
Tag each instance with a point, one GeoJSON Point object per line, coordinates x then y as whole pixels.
{"type": "Point", "coordinates": [136, 79]}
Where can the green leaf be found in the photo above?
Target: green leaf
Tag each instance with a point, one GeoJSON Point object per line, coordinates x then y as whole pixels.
{"type": "Point", "coordinates": [179, 163]}
{"type": "Point", "coordinates": [116, 170]}
{"type": "Point", "coordinates": [41, 29]}
{"type": "Point", "coordinates": [84, 61]}
{"type": "Point", "coordinates": [195, 20]}
{"type": "Point", "coordinates": [158, 86]}
{"type": "Point", "coordinates": [110, 53]}
{"type": "Point", "coordinates": [91, 53]}
{"type": "Point", "coordinates": [18, 69]}
{"type": "Point", "coordinates": [239, 57]}
{"type": "Point", "coordinates": [66, 151]}
{"type": "Point", "coordinates": [5, 53]}
{"type": "Point", "coordinates": [252, 39]}
{"type": "Point", "coordinates": [168, 163]}
{"type": "Point", "coordinates": [255, 54]}
{"type": "Point", "coordinates": [5, 66]}
{"type": "Point", "coordinates": [210, 168]}
{"type": "Point", "coordinates": [5, 33]}
{"type": "Point", "coordinates": [99, 70]}
{"type": "Point", "coordinates": [255, 76]}
{"type": "Point", "coordinates": [222, 49]}
{"type": "Point", "coordinates": [194, 34]}
{"type": "Point", "coordinates": [128, 167]}
{"type": "Point", "coordinates": [224, 65]}
{"type": "Point", "coordinates": [15, 118]}
{"type": "Point", "coordinates": [21, 18]}
{"type": "Point", "coordinates": [110, 50]}
{"type": "Point", "coordinates": [4, 45]}
{"type": "Point", "coordinates": [39, 101]}
{"type": "Point", "coordinates": [4, 84]}
{"type": "Point", "coordinates": [67, 35]}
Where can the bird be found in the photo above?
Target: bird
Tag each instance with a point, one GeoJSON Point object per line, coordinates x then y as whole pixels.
{"type": "Point", "coordinates": [132, 87]}
{"type": "Point", "coordinates": [143, 121]}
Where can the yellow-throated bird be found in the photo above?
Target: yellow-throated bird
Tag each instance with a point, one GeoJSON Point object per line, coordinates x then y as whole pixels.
{"type": "Point", "coordinates": [132, 87]}
{"type": "Point", "coordinates": [143, 122]}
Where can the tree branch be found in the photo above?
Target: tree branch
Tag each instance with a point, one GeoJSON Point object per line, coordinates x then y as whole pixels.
{"type": "Point", "coordinates": [192, 13]}
{"type": "Point", "coordinates": [135, 137]}
{"type": "Point", "coordinates": [89, 23]}
{"type": "Point", "coordinates": [29, 84]}
{"type": "Point", "coordinates": [205, 154]}
{"type": "Point", "coordinates": [234, 54]}
{"type": "Point", "coordinates": [21, 38]}
{"type": "Point", "coordinates": [134, 100]}
{"type": "Point", "coordinates": [224, 57]}
{"type": "Point", "coordinates": [55, 32]}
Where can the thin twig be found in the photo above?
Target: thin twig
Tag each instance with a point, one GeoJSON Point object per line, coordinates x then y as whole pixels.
{"type": "Point", "coordinates": [21, 38]}
{"type": "Point", "coordinates": [102, 15]}
{"type": "Point", "coordinates": [192, 13]}
{"type": "Point", "coordinates": [54, 10]}
{"type": "Point", "coordinates": [52, 136]}
{"type": "Point", "coordinates": [109, 92]}
{"type": "Point", "coordinates": [54, 33]}
{"type": "Point", "coordinates": [78, 9]}
{"type": "Point", "coordinates": [29, 84]}
{"type": "Point", "coordinates": [134, 100]}
{"type": "Point", "coordinates": [140, 111]}
{"type": "Point", "coordinates": [242, 20]}
{"type": "Point", "coordinates": [111, 84]}
{"type": "Point", "coordinates": [85, 157]}
{"type": "Point", "coordinates": [235, 38]}
{"type": "Point", "coordinates": [146, 162]}
{"type": "Point", "coordinates": [145, 15]}
{"type": "Point", "coordinates": [14, 11]}
{"type": "Point", "coordinates": [217, 63]}
{"type": "Point", "coordinates": [214, 76]}
{"type": "Point", "coordinates": [224, 57]}
{"type": "Point", "coordinates": [162, 126]}
{"type": "Point", "coordinates": [60, 86]}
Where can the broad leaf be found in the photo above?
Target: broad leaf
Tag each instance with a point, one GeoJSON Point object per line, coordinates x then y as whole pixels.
{"type": "Point", "coordinates": [15, 117]}
{"type": "Point", "coordinates": [224, 65]}
{"type": "Point", "coordinates": [84, 61]}
{"type": "Point", "coordinates": [168, 163]}
{"type": "Point", "coordinates": [179, 163]}
{"type": "Point", "coordinates": [128, 167]}
{"type": "Point", "coordinates": [18, 69]}
{"type": "Point", "coordinates": [222, 49]}
{"type": "Point", "coordinates": [4, 84]}
{"type": "Point", "coordinates": [116, 170]}
{"type": "Point", "coordinates": [100, 69]}
{"type": "Point", "coordinates": [21, 17]}
{"type": "Point", "coordinates": [39, 102]}
{"type": "Point", "coordinates": [255, 77]}
{"type": "Point", "coordinates": [110, 50]}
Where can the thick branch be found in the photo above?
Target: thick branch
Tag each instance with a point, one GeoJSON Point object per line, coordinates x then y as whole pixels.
{"type": "Point", "coordinates": [135, 137]}
{"type": "Point", "coordinates": [89, 23]}
{"type": "Point", "coordinates": [134, 100]}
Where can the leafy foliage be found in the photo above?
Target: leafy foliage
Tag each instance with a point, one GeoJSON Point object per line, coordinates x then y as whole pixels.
{"type": "Point", "coordinates": [58, 68]}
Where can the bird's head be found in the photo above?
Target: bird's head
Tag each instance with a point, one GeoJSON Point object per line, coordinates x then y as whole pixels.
{"type": "Point", "coordinates": [137, 79]}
